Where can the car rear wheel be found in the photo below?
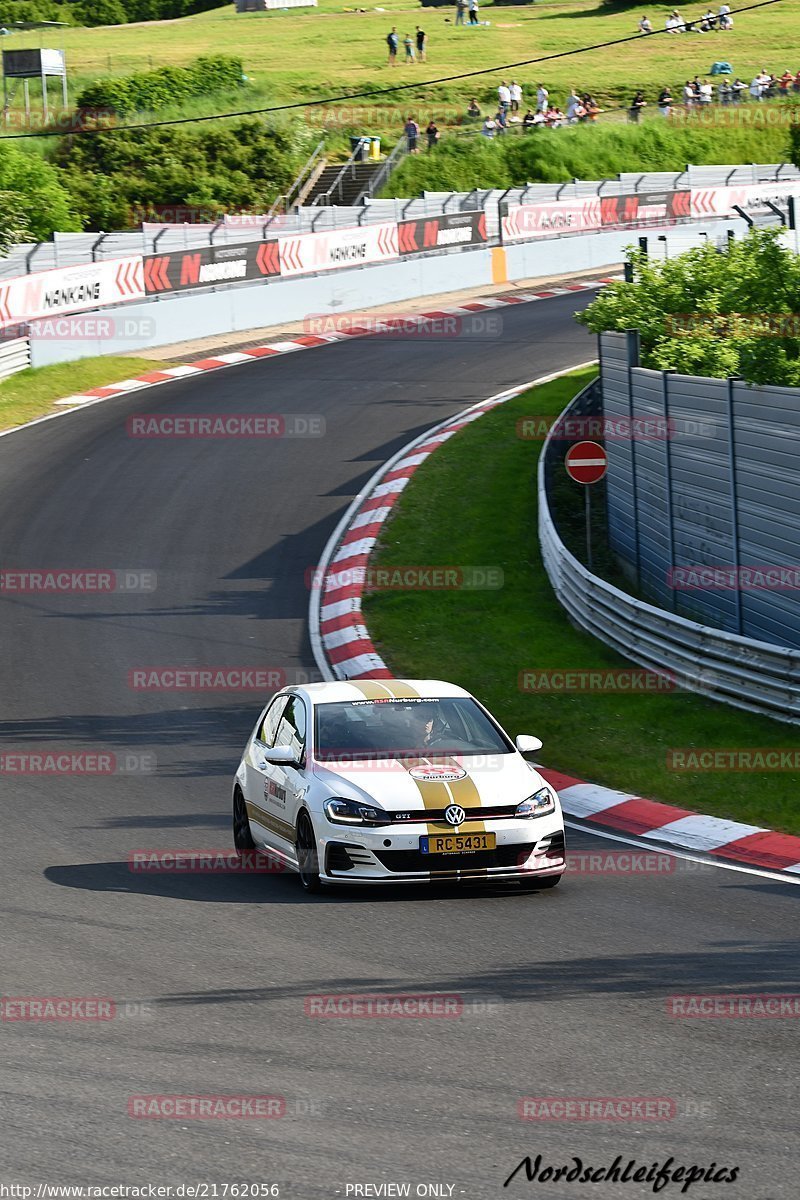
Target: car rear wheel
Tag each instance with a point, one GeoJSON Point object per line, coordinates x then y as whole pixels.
{"type": "Point", "coordinates": [307, 855]}
{"type": "Point", "coordinates": [540, 885]}
{"type": "Point", "coordinates": [242, 836]}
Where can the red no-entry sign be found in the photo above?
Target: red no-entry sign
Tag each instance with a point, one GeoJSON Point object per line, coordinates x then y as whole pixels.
{"type": "Point", "coordinates": [586, 462]}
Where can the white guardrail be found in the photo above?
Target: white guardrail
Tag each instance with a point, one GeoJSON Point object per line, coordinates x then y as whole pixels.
{"type": "Point", "coordinates": [740, 671]}
{"type": "Point", "coordinates": [14, 356]}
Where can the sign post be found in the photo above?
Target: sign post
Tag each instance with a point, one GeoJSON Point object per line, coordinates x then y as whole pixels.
{"type": "Point", "coordinates": [586, 463]}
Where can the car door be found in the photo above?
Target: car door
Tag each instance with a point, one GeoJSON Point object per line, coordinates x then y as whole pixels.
{"type": "Point", "coordinates": [257, 768]}
{"type": "Point", "coordinates": [286, 785]}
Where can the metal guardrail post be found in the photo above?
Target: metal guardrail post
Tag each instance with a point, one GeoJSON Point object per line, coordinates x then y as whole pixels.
{"type": "Point", "coordinates": [665, 380]}
{"type": "Point", "coordinates": [734, 493]}
{"type": "Point", "coordinates": [30, 256]}
{"type": "Point", "coordinates": [213, 231]}
{"type": "Point", "coordinates": [97, 245]}
{"type": "Point", "coordinates": [745, 216]}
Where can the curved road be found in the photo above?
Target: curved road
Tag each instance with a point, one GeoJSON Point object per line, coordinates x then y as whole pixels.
{"type": "Point", "coordinates": [564, 994]}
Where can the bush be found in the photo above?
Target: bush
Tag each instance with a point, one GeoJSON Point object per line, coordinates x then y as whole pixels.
{"type": "Point", "coordinates": [30, 11]}
{"type": "Point", "coordinates": [46, 203]}
{"type": "Point", "coordinates": [167, 86]}
{"type": "Point", "coordinates": [221, 168]}
{"type": "Point", "coordinates": [707, 313]}
{"type": "Point", "coordinates": [100, 12]}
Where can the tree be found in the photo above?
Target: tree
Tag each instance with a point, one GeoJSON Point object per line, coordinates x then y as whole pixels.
{"type": "Point", "coordinates": [13, 222]}
{"type": "Point", "coordinates": [712, 313]}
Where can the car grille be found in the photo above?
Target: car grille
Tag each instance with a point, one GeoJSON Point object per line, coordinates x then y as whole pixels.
{"type": "Point", "coordinates": [413, 860]}
{"type": "Point", "coordinates": [501, 812]}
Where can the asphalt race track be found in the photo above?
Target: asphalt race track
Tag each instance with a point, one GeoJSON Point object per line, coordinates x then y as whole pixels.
{"type": "Point", "coordinates": [564, 994]}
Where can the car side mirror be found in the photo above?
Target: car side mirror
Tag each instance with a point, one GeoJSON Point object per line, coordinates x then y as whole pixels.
{"type": "Point", "coordinates": [280, 756]}
{"type": "Point", "coordinates": [527, 744]}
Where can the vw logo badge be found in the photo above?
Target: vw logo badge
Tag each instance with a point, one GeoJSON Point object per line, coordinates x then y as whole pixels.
{"type": "Point", "coordinates": [455, 814]}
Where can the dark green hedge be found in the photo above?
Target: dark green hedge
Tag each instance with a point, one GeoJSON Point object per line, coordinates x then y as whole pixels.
{"type": "Point", "coordinates": [149, 91]}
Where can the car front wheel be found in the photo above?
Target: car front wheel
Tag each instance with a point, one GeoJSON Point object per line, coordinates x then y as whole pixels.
{"type": "Point", "coordinates": [242, 836]}
{"type": "Point", "coordinates": [307, 855]}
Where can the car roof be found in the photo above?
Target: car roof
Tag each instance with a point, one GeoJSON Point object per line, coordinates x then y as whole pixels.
{"type": "Point", "coordinates": [339, 691]}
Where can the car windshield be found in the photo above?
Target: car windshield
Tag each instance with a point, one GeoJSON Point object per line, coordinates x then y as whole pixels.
{"type": "Point", "coordinates": [388, 728]}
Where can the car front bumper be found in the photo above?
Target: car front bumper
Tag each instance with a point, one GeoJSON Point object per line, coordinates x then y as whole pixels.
{"type": "Point", "coordinates": [386, 854]}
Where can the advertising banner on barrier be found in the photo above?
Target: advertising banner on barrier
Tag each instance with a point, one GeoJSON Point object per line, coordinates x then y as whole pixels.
{"type": "Point", "coordinates": [184, 269]}
{"type": "Point", "coordinates": [446, 230]}
{"type": "Point", "coordinates": [719, 201]}
{"type": "Point", "coordinates": [644, 207]}
{"type": "Point", "coordinates": [523, 221]}
{"type": "Point", "coordinates": [338, 248]}
{"type": "Point", "coordinates": [71, 289]}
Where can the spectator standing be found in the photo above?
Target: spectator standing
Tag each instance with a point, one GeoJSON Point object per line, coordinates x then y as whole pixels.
{"type": "Point", "coordinates": [461, 8]}
{"type": "Point", "coordinates": [738, 89]}
{"type": "Point", "coordinates": [637, 104]}
{"type": "Point", "coordinates": [504, 96]}
{"type": "Point", "coordinates": [422, 44]}
{"type": "Point", "coordinates": [665, 101]}
{"type": "Point", "coordinates": [516, 95]}
{"type": "Point", "coordinates": [392, 41]}
{"type": "Point", "coordinates": [573, 103]}
{"type": "Point", "coordinates": [755, 88]}
{"type": "Point", "coordinates": [542, 98]}
{"type": "Point", "coordinates": [432, 134]}
{"type": "Point", "coordinates": [785, 82]}
{"type": "Point", "coordinates": [411, 130]}
{"type": "Point", "coordinates": [473, 12]}
{"type": "Point", "coordinates": [725, 15]}
{"type": "Point", "coordinates": [688, 94]}
{"type": "Point", "coordinates": [409, 45]}
{"type": "Point", "coordinates": [725, 93]}
{"type": "Point", "coordinates": [501, 120]}
{"type": "Point", "coordinates": [706, 93]}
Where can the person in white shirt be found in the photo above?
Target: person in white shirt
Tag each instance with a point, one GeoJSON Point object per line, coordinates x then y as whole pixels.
{"type": "Point", "coordinates": [706, 92]}
{"type": "Point", "coordinates": [573, 103]}
{"type": "Point", "coordinates": [489, 128]}
{"type": "Point", "coordinates": [645, 26]}
{"type": "Point", "coordinates": [755, 88]}
{"type": "Point", "coordinates": [516, 96]}
{"type": "Point", "coordinates": [725, 18]}
{"type": "Point", "coordinates": [504, 96]}
{"type": "Point", "coordinates": [688, 94]}
{"type": "Point", "coordinates": [542, 97]}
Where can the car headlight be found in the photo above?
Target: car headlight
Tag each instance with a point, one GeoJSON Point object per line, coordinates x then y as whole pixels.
{"type": "Point", "coordinates": [538, 805]}
{"type": "Point", "coordinates": [353, 812]}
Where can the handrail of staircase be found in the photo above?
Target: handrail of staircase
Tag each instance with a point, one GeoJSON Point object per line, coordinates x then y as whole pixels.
{"type": "Point", "coordinates": [347, 168]}
{"type": "Point", "coordinates": [376, 181]}
{"type": "Point", "coordinates": [284, 202]}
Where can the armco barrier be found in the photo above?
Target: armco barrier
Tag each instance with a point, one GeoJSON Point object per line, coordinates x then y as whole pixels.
{"type": "Point", "coordinates": [15, 355]}
{"type": "Point", "coordinates": [178, 316]}
{"type": "Point", "coordinates": [742, 672]}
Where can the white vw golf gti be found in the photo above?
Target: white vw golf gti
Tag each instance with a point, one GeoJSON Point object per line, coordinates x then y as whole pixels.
{"type": "Point", "coordinates": [394, 781]}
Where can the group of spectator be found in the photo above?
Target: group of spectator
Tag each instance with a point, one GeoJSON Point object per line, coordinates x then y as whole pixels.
{"type": "Point", "coordinates": [416, 48]}
{"type": "Point", "coordinates": [699, 93]}
{"type": "Point", "coordinates": [579, 109]}
{"type": "Point", "coordinates": [707, 23]}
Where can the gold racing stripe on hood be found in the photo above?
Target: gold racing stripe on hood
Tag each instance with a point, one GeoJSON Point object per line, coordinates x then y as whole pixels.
{"type": "Point", "coordinates": [438, 795]}
{"type": "Point", "coordinates": [370, 689]}
{"type": "Point", "coordinates": [401, 691]}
